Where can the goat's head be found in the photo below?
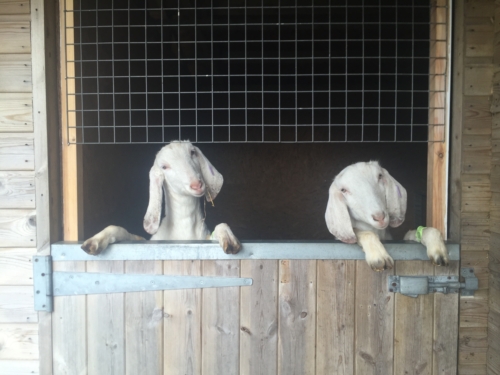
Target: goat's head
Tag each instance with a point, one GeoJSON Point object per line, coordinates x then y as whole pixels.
{"type": "Point", "coordinates": [184, 170]}
{"type": "Point", "coordinates": [364, 192]}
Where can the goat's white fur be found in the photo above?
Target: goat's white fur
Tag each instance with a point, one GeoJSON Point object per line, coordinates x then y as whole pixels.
{"type": "Point", "coordinates": [364, 199]}
{"type": "Point", "coordinates": [185, 175]}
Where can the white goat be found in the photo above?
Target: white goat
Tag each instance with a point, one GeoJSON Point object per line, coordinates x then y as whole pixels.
{"type": "Point", "coordinates": [363, 200]}
{"type": "Point", "coordinates": [186, 175]}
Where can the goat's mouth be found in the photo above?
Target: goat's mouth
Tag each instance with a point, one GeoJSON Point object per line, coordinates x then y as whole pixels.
{"type": "Point", "coordinates": [199, 192]}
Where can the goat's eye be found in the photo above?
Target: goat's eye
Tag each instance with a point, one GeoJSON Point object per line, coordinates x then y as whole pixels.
{"type": "Point", "coordinates": [343, 190]}
{"type": "Point", "coordinates": [164, 167]}
{"type": "Point", "coordinates": [380, 176]}
{"type": "Point", "coordinates": [193, 152]}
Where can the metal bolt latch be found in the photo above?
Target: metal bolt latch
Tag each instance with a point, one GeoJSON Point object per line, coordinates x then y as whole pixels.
{"type": "Point", "coordinates": [414, 286]}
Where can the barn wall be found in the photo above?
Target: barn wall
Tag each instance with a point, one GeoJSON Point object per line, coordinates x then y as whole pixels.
{"type": "Point", "coordinates": [479, 62]}
{"type": "Point", "coordinates": [25, 204]}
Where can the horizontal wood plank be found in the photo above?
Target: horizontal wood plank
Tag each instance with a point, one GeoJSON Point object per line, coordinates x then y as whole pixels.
{"type": "Point", "coordinates": [17, 190]}
{"type": "Point", "coordinates": [16, 113]}
{"type": "Point", "coordinates": [16, 266]}
{"type": "Point", "coordinates": [477, 115]}
{"type": "Point", "coordinates": [479, 261]}
{"type": "Point", "coordinates": [15, 37]}
{"type": "Point", "coordinates": [17, 152]}
{"type": "Point", "coordinates": [18, 228]}
{"type": "Point", "coordinates": [473, 340]}
{"type": "Point", "coordinates": [19, 341]}
{"type": "Point", "coordinates": [474, 310]}
{"type": "Point", "coordinates": [16, 305]}
{"type": "Point", "coordinates": [20, 367]}
{"type": "Point", "coordinates": [477, 80]}
{"type": "Point", "coordinates": [14, 7]}
{"type": "Point", "coordinates": [15, 73]}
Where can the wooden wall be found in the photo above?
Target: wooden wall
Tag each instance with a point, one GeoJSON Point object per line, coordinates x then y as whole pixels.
{"type": "Point", "coordinates": [24, 194]}
{"type": "Point", "coordinates": [478, 23]}
{"type": "Point", "coordinates": [18, 320]}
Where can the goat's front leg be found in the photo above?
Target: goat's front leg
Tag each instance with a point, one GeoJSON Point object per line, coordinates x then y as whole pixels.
{"type": "Point", "coordinates": [96, 244]}
{"type": "Point", "coordinates": [375, 253]}
{"type": "Point", "coordinates": [227, 240]}
{"type": "Point", "coordinates": [432, 239]}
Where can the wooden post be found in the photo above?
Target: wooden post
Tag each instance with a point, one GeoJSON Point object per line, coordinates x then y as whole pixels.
{"type": "Point", "coordinates": [437, 170]}
{"type": "Point", "coordinates": [71, 153]}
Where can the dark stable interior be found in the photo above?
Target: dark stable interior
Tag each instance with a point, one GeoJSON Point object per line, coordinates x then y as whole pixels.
{"type": "Point", "coordinates": [270, 191]}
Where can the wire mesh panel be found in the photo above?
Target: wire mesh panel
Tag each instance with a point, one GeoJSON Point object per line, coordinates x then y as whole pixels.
{"type": "Point", "coordinates": [254, 71]}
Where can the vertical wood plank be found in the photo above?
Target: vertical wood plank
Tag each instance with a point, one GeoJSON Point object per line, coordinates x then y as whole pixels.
{"type": "Point", "coordinates": [335, 317]}
{"type": "Point", "coordinates": [374, 348]}
{"type": "Point", "coordinates": [69, 321]}
{"type": "Point", "coordinates": [144, 324]}
{"type": "Point", "coordinates": [106, 326]}
{"type": "Point", "coordinates": [413, 336]}
{"type": "Point", "coordinates": [70, 153]}
{"type": "Point", "coordinates": [221, 320]}
{"type": "Point", "coordinates": [297, 317]}
{"type": "Point", "coordinates": [182, 324]}
{"type": "Point", "coordinates": [437, 170]}
{"type": "Point", "coordinates": [259, 318]}
{"type": "Point", "coordinates": [445, 345]}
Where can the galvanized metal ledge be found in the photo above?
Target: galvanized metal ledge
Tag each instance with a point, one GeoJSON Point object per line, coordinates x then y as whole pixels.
{"type": "Point", "coordinates": [210, 250]}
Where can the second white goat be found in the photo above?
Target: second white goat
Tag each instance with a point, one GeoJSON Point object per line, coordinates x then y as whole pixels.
{"type": "Point", "coordinates": [364, 199]}
{"type": "Point", "coordinates": [185, 175]}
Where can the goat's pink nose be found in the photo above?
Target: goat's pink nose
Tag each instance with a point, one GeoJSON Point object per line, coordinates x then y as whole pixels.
{"type": "Point", "coordinates": [196, 185]}
{"type": "Point", "coordinates": [379, 217]}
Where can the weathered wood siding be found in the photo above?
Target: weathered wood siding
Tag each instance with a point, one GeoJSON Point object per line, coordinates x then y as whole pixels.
{"type": "Point", "coordinates": [23, 172]}
{"type": "Point", "coordinates": [317, 317]}
{"type": "Point", "coordinates": [479, 345]}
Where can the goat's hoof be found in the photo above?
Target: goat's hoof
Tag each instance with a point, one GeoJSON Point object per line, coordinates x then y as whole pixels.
{"type": "Point", "coordinates": [440, 260]}
{"type": "Point", "coordinates": [92, 247]}
{"type": "Point", "coordinates": [231, 247]}
{"type": "Point", "coordinates": [381, 264]}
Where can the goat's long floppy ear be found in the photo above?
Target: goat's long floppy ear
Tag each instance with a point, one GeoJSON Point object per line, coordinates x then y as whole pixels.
{"type": "Point", "coordinates": [395, 195]}
{"type": "Point", "coordinates": [337, 217]}
{"type": "Point", "coordinates": [153, 214]}
{"type": "Point", "coordinates": [213, 179]}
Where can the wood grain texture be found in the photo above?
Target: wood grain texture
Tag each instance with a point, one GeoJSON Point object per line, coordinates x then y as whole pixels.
{"type": "Point", "coordinates": [20, 367]}
{"type": "Point", "coordinates": [458, 121]}
{"type": "Point", "coordinates": [69, 320]}
{"type": "Point", "coordinates": [19, 341]}
{"type": "Point", "coordinates": [14, 7]}
{"type": "Point", "coordinates": [477, 80]}
{"type": "Point", "coordinates": [15, 73]}
{"type": "Point", "coordinates": [182, 323]}
{"type": "Point", "coordinates": [446, 306]}
{"type": "Point", "coordinates": [144, 324]}
{"type": "Point", "coordinates": [18, 228]}
{"type": "Point", "coordinates": [221, 321]}
{"type": "Point", "coordinates": [335, 317]}
{"type": "Point", "coordinates": [16, 113]}
{"type": "Point", "coordinates": [15, 37]}
{"type": "Point", "coordinates": [16, 305]}
{"type": "Point", "coordinates": [413, 340]}
{"type": "Point", "coordinates": [17, 152]}
{"type": "Point", "coordinates": [16, 266]}
{"type": "Point", "coordinates": [297, 317]}
{"type": "Point", "coordinates": [478, 36]}
{"type": "Point", "coordinates": [40, 126]}
{"type": "Point", "coordinates": [259, 318]}
{"type": "Point", "coordinates": [17, 189]}
{"type": "Point", "coordinates": [374, 348]}
{"type": "Point", "coordinates": [477, 116]}
{"type": "Point", "coordinates": [474, 311]}
{"type": "Point", "coordinates": [106, 326]}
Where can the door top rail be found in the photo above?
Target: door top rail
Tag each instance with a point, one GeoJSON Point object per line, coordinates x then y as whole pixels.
{"type": "Point", "coordinates": [210, 250]}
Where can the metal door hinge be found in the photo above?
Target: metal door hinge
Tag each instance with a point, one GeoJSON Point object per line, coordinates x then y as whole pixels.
{"type": "Point", "coordinates": [50, 284]}
{"type": "Point", "coordinates": [414, 286]}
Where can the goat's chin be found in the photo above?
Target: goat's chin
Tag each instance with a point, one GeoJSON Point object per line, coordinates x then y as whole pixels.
{"type": "Point", "coordinates": [396, 222]}
{"type": "Point", "coordinates": [197, 193]}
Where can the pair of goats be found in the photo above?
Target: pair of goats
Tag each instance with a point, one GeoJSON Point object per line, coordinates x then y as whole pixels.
{"type": "Point", "coordinates": [364, 200]}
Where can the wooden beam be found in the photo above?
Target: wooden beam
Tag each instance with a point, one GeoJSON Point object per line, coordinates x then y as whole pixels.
{"type": "Point", "coordinates": [71, 163]}
{"type": "Point", "coordinates": [456, 119]}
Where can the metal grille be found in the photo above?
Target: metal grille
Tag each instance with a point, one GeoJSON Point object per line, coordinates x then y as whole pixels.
{"type": "Point", "coordinates": [253, 71]}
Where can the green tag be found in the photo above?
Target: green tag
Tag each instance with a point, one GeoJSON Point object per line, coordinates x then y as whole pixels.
{"type": "Point", "coordinates": [418, 235]}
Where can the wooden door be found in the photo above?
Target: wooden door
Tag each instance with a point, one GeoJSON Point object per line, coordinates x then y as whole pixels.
{"type": "Point", "coordinates": [300, 316]}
